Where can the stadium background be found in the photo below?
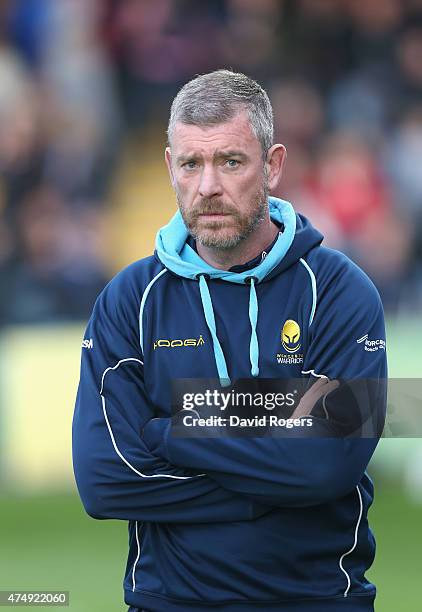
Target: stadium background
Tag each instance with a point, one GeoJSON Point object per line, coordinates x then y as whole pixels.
{"type": "Point", "coordinates": [85, 88]}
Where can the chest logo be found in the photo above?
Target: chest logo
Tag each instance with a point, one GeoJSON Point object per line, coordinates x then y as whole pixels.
{"type": "Point", "coordinates": [290, 336]}
{"type": "Point", "coordinates": [193, 342]}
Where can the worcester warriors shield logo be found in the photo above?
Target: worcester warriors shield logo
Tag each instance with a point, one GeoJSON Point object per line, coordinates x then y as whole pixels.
{"type": "Point", "coordinates": [290, 336]}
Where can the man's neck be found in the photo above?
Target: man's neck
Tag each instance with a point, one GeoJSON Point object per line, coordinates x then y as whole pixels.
{"type": "Point", "coordinates": [251, 247]}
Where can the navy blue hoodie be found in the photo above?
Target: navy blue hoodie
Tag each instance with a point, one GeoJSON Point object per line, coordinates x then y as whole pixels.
{"type": "Point", "coordinates": [226, 523]}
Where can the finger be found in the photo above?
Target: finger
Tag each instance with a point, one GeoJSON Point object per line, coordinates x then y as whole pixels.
{"type": "Point", "coordinates": [317, 390]}
{"type": "Point", "coordinates": [326, 387]}
{"type": "Point", "coordinates": [315, 386]}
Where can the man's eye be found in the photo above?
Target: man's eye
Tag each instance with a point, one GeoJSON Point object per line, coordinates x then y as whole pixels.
{"type": "Point", "coordinates": [189, 165]}
{"type": "Point", "coordinates": [232, 163]}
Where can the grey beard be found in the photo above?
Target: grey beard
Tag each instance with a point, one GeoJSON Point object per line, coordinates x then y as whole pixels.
{"type": "Point", "coordinates": [230, 242]}
{"type": "Point", "coordinates": [212, 240]}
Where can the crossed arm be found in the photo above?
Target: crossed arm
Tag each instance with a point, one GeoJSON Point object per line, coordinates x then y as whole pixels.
{"type": "Point", "coordinates": [162, 478]}
{"type": "Point", "coordinates": [116, 473]}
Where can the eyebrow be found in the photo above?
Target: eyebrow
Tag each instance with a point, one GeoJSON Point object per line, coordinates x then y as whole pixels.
{"type": "Point", "coordinates": [230, 153]}
{"type": "Point", "coordinates": [184, 158]}
{"type": "Point", "coordinates": [217, 155]}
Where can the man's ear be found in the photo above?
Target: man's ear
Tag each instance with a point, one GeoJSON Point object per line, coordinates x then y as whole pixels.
{"type": "Point", "coordinates": [167, 156]}
{"type": "Point", "coordinates": [276, 157]}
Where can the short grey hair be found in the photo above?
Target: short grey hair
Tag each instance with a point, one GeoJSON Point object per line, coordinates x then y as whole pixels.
{"type": "Point", "coordinates": [216, 97]}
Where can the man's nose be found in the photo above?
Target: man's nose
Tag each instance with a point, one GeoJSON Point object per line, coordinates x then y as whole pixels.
{"type": "Point", "coordinates": [210, 184]}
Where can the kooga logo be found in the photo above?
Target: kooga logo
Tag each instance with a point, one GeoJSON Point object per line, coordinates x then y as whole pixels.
{"type": "Point", "coordinates": [195, 342]}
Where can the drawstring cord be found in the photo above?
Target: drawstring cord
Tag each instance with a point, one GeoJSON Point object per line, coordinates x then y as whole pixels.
{"type": "Point", "coordinates": [253, 317]}
{"type": "Point", "coordinates": [210, 319]}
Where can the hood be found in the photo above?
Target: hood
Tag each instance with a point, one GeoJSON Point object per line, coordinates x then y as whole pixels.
{"type": "Point", "coordinates": [177, 256]}
{"type": "Point", "coordinates": [295, 241]}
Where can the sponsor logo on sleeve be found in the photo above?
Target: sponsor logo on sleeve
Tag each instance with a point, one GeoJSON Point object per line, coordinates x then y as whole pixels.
{"type": "Point", "coordinates": [371, 345]}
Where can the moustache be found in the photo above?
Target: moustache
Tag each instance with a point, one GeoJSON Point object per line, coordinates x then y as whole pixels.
{"type": "Point", "coordinates": [207, 207]}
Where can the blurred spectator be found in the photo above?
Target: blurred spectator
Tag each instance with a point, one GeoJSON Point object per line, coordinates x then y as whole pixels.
{"type": "Point", "coordinates": [249, 36]}
{"type": "Point", "coordinates": [403, 162]}
{"type": "Point", "coordinates": [156, 46]}
{"type": "Point", "coordinates": [374, 25]}
{"type": "Point", "coordinates": [83, 124]}
{"type": "Point", "coordinates": [347, 184]}
{"type": "Point", "coordinates": [298, 112]}
{"type": "Point", "coordinates": [26, 21]}
{"type": "Point", "coordinates": [55, 274]}
{"type": "Point", "coordinates": [314, 41]}
{"type": "Point", "coordinates": [409, 65]}
{"type": "Point", "coordinates": [384, 247]}
{"type": "Point", "coordinates": [20, 134]}
{"type": "Point", "coordinates": [360, 103]}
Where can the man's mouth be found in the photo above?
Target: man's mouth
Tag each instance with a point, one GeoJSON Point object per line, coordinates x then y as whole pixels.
{"type": "Point", "coordinates": [214, 214]}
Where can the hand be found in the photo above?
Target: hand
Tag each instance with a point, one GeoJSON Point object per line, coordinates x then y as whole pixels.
{"type": "Point", "coordinates": [321, 388]}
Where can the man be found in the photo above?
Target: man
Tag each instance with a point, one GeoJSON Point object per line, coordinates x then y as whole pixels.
{"type": "Point", "coordinates": [239, 287]}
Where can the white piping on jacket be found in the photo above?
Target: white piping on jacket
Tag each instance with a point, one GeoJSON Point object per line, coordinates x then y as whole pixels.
{"type": "Point", "coordinates": [133, 359]}
{"type": "Point", "coordinates": [314, 373]}
{"type": "Point", "coordinates": [142, 306]}
{"type": "Point", "coordinates": [314, 289]}
{"type": "Point", "coordinates": [137, 557]}
{"type": "Point", "coordinates": [360, 501]}
{"type": "Point", "coordinates": [354, 543]}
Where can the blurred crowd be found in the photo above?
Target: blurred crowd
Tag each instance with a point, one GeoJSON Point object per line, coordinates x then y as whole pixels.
{"type": "Point", "coordinates": [78, 78]}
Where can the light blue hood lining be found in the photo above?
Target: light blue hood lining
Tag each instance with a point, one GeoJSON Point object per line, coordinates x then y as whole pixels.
{"type": "Point", "coordinates": [178, 257]}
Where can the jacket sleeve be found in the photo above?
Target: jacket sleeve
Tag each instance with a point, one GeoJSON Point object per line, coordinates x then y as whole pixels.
{"type": "Point", "coordinates": [116, 474]}
{"type": "Point", "coordinates": [303, 471]}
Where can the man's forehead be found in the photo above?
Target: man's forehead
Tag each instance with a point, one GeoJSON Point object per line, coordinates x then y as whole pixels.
{"type": "Point", "coordinates": [226, 135]}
